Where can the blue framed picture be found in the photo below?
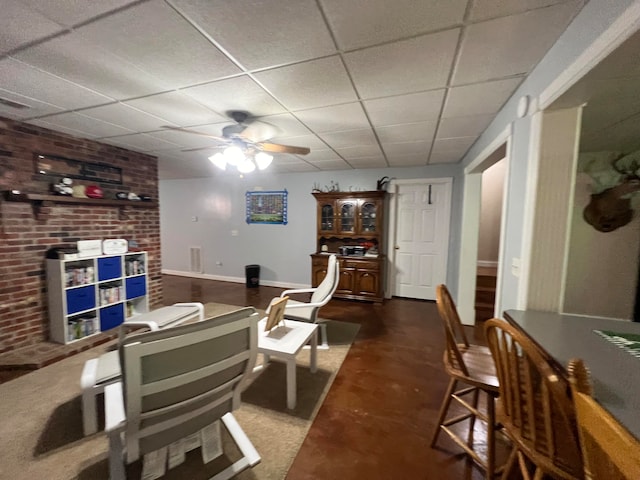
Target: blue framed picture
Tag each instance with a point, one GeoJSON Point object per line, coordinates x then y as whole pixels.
{"type": "Point", "coordinates": [267, 207]}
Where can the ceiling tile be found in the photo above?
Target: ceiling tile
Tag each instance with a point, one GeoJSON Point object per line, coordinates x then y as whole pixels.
{"type": "Point", "coordinates": [349, 138]}
{"type": "Point", "coordinates": [360, 151]}
{"type": "Point", "coordinates": [360, 23]}
{"type": "Point", "coordinates": [397, 110]}
{"type": "Point", "coordinates": [376, 161]}
{"type": "Point", "coordinates": [126, 116]}
{"type": "Point", "coordinates": [445, 147]}
{"type": "Point", "coordinates": [407, 148]}
{"type": "Point", "coordinates": [310, 84]}
{"type": "Point", "coordinates": [72, 58]}
{"type": "Point", "coordinates": [409, 132]}
{"type": "Point", "coordinates": [36, 108]}
{"type": "Point", "coordinates": [349, 116]}
{"type": "Point", "coordinates": [623, 135]}
{"type": "Point", "coordinates": [445, 157]}
{"type": "Point", "coordinates": [143, 142]}
{"type": "Point", "coordinates": [463, 126]}
{"type": "Point", "coordinates": [23, 79]}
{"type": "Point", "coordinates": [265, 33]}
{"type": "Point", "coordinates": [406, 66]}
{"type": "Point", "coordinates": [321, 156]}
{"type": "Point", "coordinates": [486, 9]}
{"type": "Point", "coordinates": [14, 17]}
{"type": "Point", "coordinates": [176, 108]}
{"type": "Point", "coordinates": [483, 98]}
{"type": "Point", "coordinates": [87, 125]}
{"type": "Point", "coordinates": [287, 125]}
{"type": "Point", "coordinates": [239, 93]}
{"type": "Point", "coordinates": [504, 47]}
{"type": "Point", "coordinates": [71, 13]}
{"type": "Point", "coordinates": [184, 140]}
{"type": "Point", "coordinates": [338, 164]}
{"type": "Point", "coordinates": [180, 55]}
{"type": "Point", "coordinates": [410, 160]}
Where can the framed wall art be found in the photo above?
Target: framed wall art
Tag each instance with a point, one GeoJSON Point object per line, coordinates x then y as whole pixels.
{"type": "Point", "coordinates": [267, 207]}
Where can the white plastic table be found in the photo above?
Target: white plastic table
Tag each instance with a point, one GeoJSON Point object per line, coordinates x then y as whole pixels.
{"type": "Point", "coordinates": [285, 341]}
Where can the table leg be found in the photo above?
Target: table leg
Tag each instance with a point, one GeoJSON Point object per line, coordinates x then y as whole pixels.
{"type": "Point", "coordinates": [314, 351]}
{"type": "Point", "coordinates": [291, 383]}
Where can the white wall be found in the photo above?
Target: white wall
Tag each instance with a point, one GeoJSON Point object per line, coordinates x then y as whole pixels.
{"type": "Point", "coordinates": [491, 212]}
{"type": "Point", "coordinates": [592, 21]}
{"type": "Point", "coordinates": [282, 251]}
{"type": "Point", "coordinates": [602, 268]}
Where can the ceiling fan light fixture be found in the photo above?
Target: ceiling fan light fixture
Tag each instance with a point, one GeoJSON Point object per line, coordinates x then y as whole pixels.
{"type": "Point", "coordinates": [263, 160]}
{"type": "Point", "coordinates": [233, 155]}
{"type": "Point", "coordinates": [246, 166]}
{"type": "Point", "coordinates": [219, 161]}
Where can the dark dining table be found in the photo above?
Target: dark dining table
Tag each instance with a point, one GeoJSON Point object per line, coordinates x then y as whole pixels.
{"type": "Point", "coordinates": [615, 372]}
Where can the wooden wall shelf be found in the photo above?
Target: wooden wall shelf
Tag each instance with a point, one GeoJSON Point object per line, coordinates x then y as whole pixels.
{"type": "Point", "coordinates": [39, 200]}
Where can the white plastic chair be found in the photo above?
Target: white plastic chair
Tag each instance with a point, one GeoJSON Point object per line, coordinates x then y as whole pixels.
{"type": "Point", "coordinates": [308, 311]}
{"type": "Point", "coordinates": [178, 382]}
{"type": "Point", "coordinates": [105, 370]}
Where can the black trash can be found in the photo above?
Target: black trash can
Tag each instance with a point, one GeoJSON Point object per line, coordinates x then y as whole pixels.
{"type": "Point", "coordinates": [252, 273]}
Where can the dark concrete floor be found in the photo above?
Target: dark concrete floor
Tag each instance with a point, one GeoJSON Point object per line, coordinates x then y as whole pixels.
{"type": "Point", "coordinates": [378, 418]}
{"type": "Point", "coordinates": [379, 415]}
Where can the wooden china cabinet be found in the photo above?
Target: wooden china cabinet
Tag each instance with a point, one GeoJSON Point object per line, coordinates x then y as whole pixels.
{"type": "Point", "coordinates": [351, 219]}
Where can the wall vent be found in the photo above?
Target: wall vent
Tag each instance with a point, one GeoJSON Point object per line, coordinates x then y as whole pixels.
{"type": "Point", "coordinates": [195, 255]}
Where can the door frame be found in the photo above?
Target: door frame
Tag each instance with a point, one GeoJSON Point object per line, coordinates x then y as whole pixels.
{"type": "Point", "coordinates": [470, 228]}
{"type": "Point", "coordinates": [394, 184]}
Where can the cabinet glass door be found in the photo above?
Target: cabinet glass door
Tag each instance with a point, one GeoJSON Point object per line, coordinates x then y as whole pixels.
{"type": "Point", "coordinates": [368, 217]}
{"type": "Point", "coordinates": [327, 218]}
{"type": "Point", "coordinates": [348, 216]}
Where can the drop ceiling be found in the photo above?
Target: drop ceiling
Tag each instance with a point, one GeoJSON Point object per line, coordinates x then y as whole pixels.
{"type": "Point", "coordinates": [363, 83]}
{"type": "Point", "coordinates": [609, 94]}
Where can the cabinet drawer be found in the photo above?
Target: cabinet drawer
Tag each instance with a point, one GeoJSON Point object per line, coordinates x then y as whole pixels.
{"type": "Point", "coordinates": [79, 299]}
{"type": "Point", "coordinates": [360, 264]}
{"type": "Point", "coordinates": [111, 316]}
{"type": "Point", "coordinates": [136, 287]}
{"type": "Point", "coordinates": [109, 267]}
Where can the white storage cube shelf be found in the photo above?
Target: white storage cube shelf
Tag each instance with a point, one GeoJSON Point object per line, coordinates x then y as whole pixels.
{"type": "Point", "coordinates": [91, 295]}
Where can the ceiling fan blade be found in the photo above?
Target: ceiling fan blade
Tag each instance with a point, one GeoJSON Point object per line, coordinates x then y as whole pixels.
{"type": "Point", "coordinates": [184, 130]}
{"type": "Point", "coordinates": [277, 148]}
{"type": "Point", "coordinates": [198, 149]}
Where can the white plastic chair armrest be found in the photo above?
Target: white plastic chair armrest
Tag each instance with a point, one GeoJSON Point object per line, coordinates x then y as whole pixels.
{"type": "Point", "coordinates": [114, 415]}
{"type": "Point", "coordinates": [305, 305]}
{"type": "Point", "coordinates": [198, 305]}
{"type": "Point", "coordinates": [299, 290]}
{"type": "Point", "coordinates": [88, 377]}
{"type": "Point", "coordinates": [141, 323]}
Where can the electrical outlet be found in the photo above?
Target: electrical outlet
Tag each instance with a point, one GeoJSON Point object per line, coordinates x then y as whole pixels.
{"type": "Point", "coordinates": [218, 263]}
{"type": "Point", "coordinates": [234, 233]}
{"type": "Point", "coordinates": [194, 218]}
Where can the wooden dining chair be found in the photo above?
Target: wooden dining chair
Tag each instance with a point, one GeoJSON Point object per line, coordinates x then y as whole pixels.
{"type": "Point", "coordinates": [534, 406]}
{"type": "Point", "coordinates": [472, 366]}
{"type": "Point", "coordinates": [609, 451]}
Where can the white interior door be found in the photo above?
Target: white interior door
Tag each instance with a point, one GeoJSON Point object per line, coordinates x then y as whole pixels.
{"type": "Point", "coordinates": [421, 245]}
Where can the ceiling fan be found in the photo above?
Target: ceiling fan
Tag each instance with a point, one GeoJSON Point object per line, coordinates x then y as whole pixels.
{"type": "Point", "coordinates": [244, 144]}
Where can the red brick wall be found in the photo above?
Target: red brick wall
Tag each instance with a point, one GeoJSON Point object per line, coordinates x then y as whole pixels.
{"type": "Point", "coordinates": [24, 239]}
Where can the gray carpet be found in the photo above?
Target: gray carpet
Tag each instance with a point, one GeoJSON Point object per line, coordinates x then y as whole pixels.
{"type": "Point", "coordinates": [41, 425]}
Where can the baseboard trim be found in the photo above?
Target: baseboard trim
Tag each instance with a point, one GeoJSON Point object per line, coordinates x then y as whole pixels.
{"type": "Point", "coordinates": [487, 263]}
{"type": "Point", "coordinates": [222, 278]}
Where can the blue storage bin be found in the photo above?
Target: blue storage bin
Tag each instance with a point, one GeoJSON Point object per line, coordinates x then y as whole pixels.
{"type": "Point", "coordinates": [111, 316]}
{"type": "Point", "coordinates": [136, 287]}
{"type": "Point", "coordinates": [109, 267]}
{"type": "Point", "coordinates": [79, 299]}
